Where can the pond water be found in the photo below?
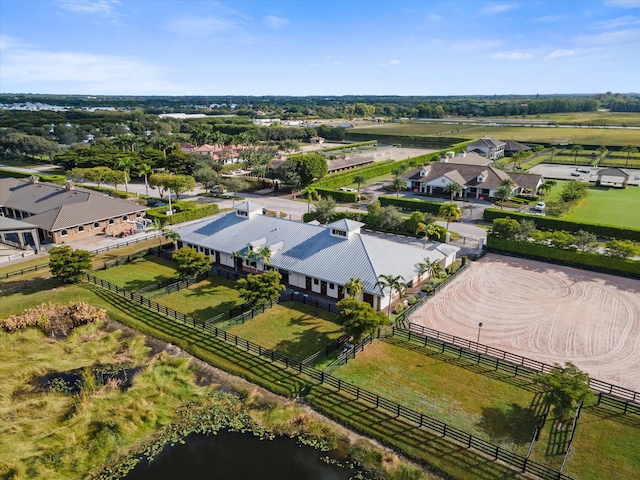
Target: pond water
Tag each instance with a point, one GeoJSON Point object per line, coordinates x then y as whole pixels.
{"type": "Point", "coordinates": [238, 456]}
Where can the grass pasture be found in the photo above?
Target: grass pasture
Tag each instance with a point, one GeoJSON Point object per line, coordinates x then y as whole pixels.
{"type": "Point", "coordinates": [553, 135]}
{"type": "Point", "coordinates": [139, 273]}
{"type": "Point", "coordinates": [291, 328]}
{"type": "Point", "coordinates": [205, 299]}
{"type": "Point", "coordinates": [610, 206]}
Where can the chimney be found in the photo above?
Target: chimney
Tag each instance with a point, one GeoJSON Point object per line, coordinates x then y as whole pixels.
{"type": "Point", "coordinates": [69, 186]}
{"type": "Point", "coordinates": [33, 179]}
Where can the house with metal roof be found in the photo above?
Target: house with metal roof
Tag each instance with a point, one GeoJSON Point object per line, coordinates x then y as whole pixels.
{"type": "Point", "coordinates": [64, 213]}
{"type": "Point", "coordinates": [477, 181]}
{"type": "Point", "coordinates": [490, 148]}
{"type": "Point", "coordinates": [314, 258]}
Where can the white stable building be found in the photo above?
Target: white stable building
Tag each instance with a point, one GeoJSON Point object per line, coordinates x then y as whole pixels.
{"type": "Point", "coordinates": [316, 258]}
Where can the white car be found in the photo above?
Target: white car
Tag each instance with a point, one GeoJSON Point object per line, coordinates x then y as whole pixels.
{"type": "Point", "coordinates": [540, 206]}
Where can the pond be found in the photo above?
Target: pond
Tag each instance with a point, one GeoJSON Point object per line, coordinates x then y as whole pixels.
{"type": "Point", "coordinates": [238, 456]}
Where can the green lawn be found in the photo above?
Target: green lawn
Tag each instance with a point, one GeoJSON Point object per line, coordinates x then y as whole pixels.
{"type": "Point", "coordinates": [432, 384]}
{"type": "Point", "coordinates": [291, 328]}
{"type": "Point", "coordinates": [610, 206]}
{"type": "Point", "coordinates": [139, 273]}
{"type": "Point", "coordinates": [204, 300]}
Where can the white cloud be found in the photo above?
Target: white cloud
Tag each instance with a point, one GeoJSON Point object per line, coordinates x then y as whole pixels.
{"type": "Point", "coordinates": [476, 44]}
{"type": "Point", "coordinates": [90, 7]}
{"type": "Point", "coordinates": [561, 53]}
{"type": "Point", "coordinates": [204, 26]}
{"type": "Point", "coordinates": [82, 72]}
{"type": "Point", "coordinates": [395, 62]}
{"type": "Point", "coordinates": [513, 56]}
{"type": "Point", "coordinates": [497, 8]}
{"type": "Point", "coordinates": [609, 38]}
{"type": "Point", "coordinates": [434, 17]}
{"type": "Point", "coordinates": [623, 3]}
{"type": "Point", "coordinates": [617, 23]}
{"type": "Point", "coordinates": [272, 21]}
{"type": "Point", "coordinates": [550, 18]}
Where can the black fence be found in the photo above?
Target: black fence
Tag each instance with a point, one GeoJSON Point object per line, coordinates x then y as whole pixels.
{"type": "Point", "coordinates": [228, 275]}
{"type": "Point", "coordinates": [321, 304]}
{"type": "Point", "coordinates": [22, 271]}
{"type": "Point", "coordinates": [126, 244]}
{"type": "Point", "coordinates": [170, 286]}
{"type": "Point", "coordinates": [421, 420]}
{"type": "Point", "coordinates": [609, 394]}
{"type": "Point", "coordinates": [326, 351]}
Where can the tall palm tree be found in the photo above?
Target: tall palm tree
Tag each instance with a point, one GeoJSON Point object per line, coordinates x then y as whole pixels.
{"type": "Point", "coordinates": [126, 164]}
{"type": "Point", "coordinates": [629, 149]}
{"type": "Point", "coordinates": [575, 150]}
{"type": "Point", "coordinates": [398, 184]}
{"type": "Point", "coordinates": [392, 284]}
{"type": "Point", "coordinates": [431, 267]}
{"type": "Point", "coordinates": [426, 229]}
{"type": "Point", "coordinates": [121, 141]}
{"type": "Point", "coordinates": [450, 211]}
{"type": "Point", "coordinates": [312, 194]}
{"type": "Point", "coordinates": [546, 187]}
{"type": "Point", "coordinates": [453, 189]}
{"type": "Point", "coordinates": [553, 152]}
{"type": "Point", "coordinates": [354, 287]}
{"type": "Point", "coordinates": [144, 170]}
{"type": "Point", "coordinates": [504, 193]}
{"type": "Point", "coordinates": [163, 143]}
{"type": "Point", "coordinates": [359, 179]}
{"type": "Point", "coordinates": [264, 254]}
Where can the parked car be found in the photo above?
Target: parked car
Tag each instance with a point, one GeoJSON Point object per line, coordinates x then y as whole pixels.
{"type": "Point", "coordinates": [345, 189]}
{"type": "Point", "coordinates": [582, 170]}
{"type": "Point", "coordinates": [218, 190]}
{"type": "Point", "coordinates": [540, 206]}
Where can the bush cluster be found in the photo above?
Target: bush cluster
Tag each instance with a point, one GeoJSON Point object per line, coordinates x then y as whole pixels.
{"type": "Point", "coordinates": [411, 204]}
{"type": "Point", "coordinates": [546, 223]}
{"type": "Point", "coordinates": [338, 195]}
{"type": "Point", "coordinates": [54, 320]}
{"type": "Point", "coordinates": [186, 214]}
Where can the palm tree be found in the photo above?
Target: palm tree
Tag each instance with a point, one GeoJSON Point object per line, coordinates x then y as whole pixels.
{"type": "Point", "coordinates": [546, 187]}
{"type": "Point", "coordinates": [453, 189]}
{"type": "Point", "coordinates": [359, 179]}
{"type": "Point", "coordinates": [167, 233]}
{"type": "Point", "coordinates": [264, 254]}
{"type": "Point", "coordinates": [629, 149]}
{"type": "Point", "coordinates": [432, 268]}
{"type": "Point", "coordinates": [426, 229]}
{"type": "Point", "coordinates": [121, 141]}
{"type": "Point", "coordinates": [450, 211]}
{"type": "Point", "coordinates": [392, 284]}
{"type": "Point", "coordinates": [553, 152]}
{"type": "Point", "coordinates": [354, 287]}
{"type": "Point", "coordinates": [126, 164]}
{"type": "Point", "coordinates": [398, 184]}
{"type": "Point", "coordinates": [163, 143]}
{"type": "Point", "coordinates": [144, 170]}
{"type": "Point", "coordinates": [504, 193]}
{"type": "Point", "coordinates": [171, 235]}
{"type": "Point", "coordinates": [200, 134]}
{"type": "Point", "coordinates": [311, 193]}
{"type": "Point", "coordinates": [575, 150]}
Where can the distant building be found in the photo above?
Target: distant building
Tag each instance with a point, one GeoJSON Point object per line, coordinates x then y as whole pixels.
{"type": "Point", "coordinates": [613, 177]}
{"type": "Point", "coordinates": [316, 140]}
{"type": "Point", "coordinates": [511, 147]}
{"type": "Point", "coordinates": [466, 158]}
{"type": "Point", "coordinates": [490, 148]}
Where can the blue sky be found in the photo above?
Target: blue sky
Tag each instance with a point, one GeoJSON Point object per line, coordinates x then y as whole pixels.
{"type": "Point", "coordinates": [302, 47]}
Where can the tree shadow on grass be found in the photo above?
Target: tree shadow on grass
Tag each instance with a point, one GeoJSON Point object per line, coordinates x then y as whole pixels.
{"type": "Point", "coordinates": [27, 287]}
{"type": "Point", "coordinates": [305, 342]}
{"type": "Point", "coordinates": [513, 423]}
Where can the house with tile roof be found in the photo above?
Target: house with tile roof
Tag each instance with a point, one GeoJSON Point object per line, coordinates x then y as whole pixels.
{"type": "Point", "coordinates": [314, 258]}
{"type": "Point", "coordinates": [477, 181]}
{"type": "Point", "coordinates": [64, 213]}
{"type": "Point", "coordinates": [489, 147]}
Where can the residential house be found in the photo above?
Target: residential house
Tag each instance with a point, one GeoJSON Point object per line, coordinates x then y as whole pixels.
{"type": "Point", "coordinates": [314, 258]}
{"type": "Point", "coordinates": [64, 213]}
{"type": "Point", "coordinates": [512, 147]}
{"type": "Point", "coordinates": [477, 181]}
{"type": "Point", "coordinates": [316, 140]}
{"type": "Point", "coordinates": [490, 148]}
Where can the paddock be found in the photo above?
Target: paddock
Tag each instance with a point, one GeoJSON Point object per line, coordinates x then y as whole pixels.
{"type": "Point", "coordinates": [545, 312]}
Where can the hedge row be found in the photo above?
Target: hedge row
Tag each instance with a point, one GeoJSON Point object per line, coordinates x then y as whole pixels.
{"type": "Point", "coordinates": [411, 204]}
{"type": "Point", "coordinates": [57, 179]}
{"type": "Point", "coordinates": [548, 223]}
{"type": "Point", "coordinates": [408, 140]}
{"type": "Point", "coordinates": [184, 216]}
{"type": "Point", "coordinates": [349, 145]}
{"type": "Point", "coordinates": [588, 260]}
{"type": "Point", "coordinates": [338, 195]}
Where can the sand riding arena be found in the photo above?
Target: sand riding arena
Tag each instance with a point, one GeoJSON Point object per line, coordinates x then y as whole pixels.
{"type": "Point", "coordinates": [545, 312]}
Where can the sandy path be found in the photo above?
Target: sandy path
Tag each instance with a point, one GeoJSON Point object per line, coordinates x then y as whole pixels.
{"type": "Point", "coordinates": [545, 312]}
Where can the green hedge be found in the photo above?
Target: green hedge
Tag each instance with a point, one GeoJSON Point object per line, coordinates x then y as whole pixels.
{"type": "Point", "coordinates": [588, 260]}
{"type": "Point", "coordinates": [57, 179]}
{"type": "Point", "coordinates": [338, 195]}
{"type": "Point", "coordinates": [411, 204]}
{"type": "Point", "coordinates": [549, 223]}
{"type": "Point", "coordinates": [183, 216]}
{"type": "Point", "coordinates": [408, 140]}
{"type": "Point", "coordinates": [349, 145]}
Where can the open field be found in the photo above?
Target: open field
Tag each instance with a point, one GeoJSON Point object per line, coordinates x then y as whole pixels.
{"type": "Point", "coordinates": [139, 273]}
{"type": "Point", "coordinates": [545, 312]}
{"type": "Point", "coordinates": [291, 328]}
{"type": "Point", "coordinates": [610, 206]}
{"type": "Point", "coordinates": [584, 136]}
{"type": "Point", "coordinates": [205, 299]}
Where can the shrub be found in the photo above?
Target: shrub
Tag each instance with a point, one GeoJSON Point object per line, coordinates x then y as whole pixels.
{"type": "Point", "coordinates": [54, 320]}
{"type": "Point", "coordinates": [546, 223]}
{"type": "Point", "coordinates": [411, 204]}
{"type": "Point", "coordinates": [398, 308]}
{"type": "Point", "coordinates": [338, 195]}
{"type": "Point", "coordinates": [184, 216]}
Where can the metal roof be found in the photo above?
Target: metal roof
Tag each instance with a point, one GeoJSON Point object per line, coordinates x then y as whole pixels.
{"type": "Point", "coordinates": [312, 251]}
{"type": "Point", "coordinates": [346, 225]}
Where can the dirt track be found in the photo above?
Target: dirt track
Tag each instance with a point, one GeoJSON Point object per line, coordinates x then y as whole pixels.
{"type": "Point", "coordinates": [545, 312]}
